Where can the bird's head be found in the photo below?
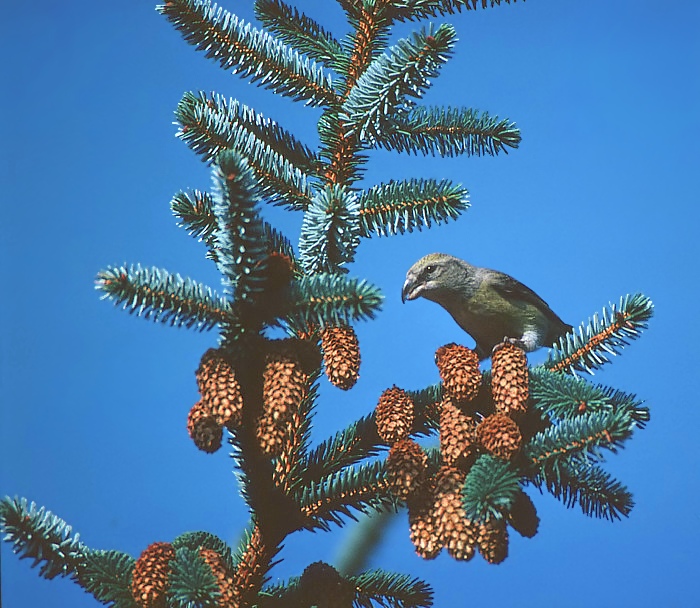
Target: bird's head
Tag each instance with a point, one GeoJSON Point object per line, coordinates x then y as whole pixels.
{"type": "Point", "coordinates": [431, 276]}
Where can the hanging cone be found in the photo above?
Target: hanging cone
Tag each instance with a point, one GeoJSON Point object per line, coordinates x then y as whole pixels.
{"type": "Point", "coordinates": [423, 527]}
{"type": "Point", "coordinates": [500, 435]}
{"type": "Point", "coordinates": [523, 516]}
{"type": "Point", "coordinates": [457, 533]}
{"type": "Point", "coordinates": [457, 434]}
{"type": "Point", "coordinates": [406, 468]}
{"type": "Point", "coordinates": [341, 355]}
{"type": "Point", "coordinates": [459, 371]}
{"type": "Point", "coordinates": [223, 580]}
{"type": "Point", "coordinates": [394, 415]}
{"type": "Point", "coordinates": [220, 389]}
{"type": "Point", "coordinates": [203, 428]}
{"type": "Point", "coordinates": [492, 540]}
{"type": "Point", "coordinates": [321, 585]}
{"type": "Point", "coordinates": [285, 385]}
{"type": "Point", "coordinates": [149, 580]}
{"type": "Point", "coordinates": [509, 379]}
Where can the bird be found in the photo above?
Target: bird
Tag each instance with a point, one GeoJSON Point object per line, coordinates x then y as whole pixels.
{"type": "Point", "coordinates": [491, 306]}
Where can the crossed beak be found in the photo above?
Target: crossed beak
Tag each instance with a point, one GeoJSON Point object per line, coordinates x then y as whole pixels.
{"type": "Point", "coordinates": [408, 291]}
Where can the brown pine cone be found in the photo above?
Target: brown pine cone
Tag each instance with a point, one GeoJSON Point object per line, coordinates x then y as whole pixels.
{"type": "Point", "coordinates": [223, 580]}
{"type": "Point", "coordinates": [406, 468]}
{"type": "Point", "coordinates": [492, 540]}
{"type": "Point", "coordinates": [459, 371]}
{"type": "Point", "coordinates": [285, 386]}
{"type": "Point", "coordinates": [149, 580]}
{"type": "Point", "coordinates": [500, 435]}
{"type": "Point", "coordinates": [457, 533]}
{"type": "Point", "coordinates": [509, 379]}
{"type": "Point", "coordinates": [203, 428]}
{"type": "Point", "coordinates": [423, 526]}
{"type": "Point", "coordinates": [271, 433]}
{"type": "Point", "coordinates": [394, 415]}
{"type": "Point", "coordinates": [457, 433]}
{"type": "Point", "coordinates": [220, 389]}
{"type": "Point", "coordinates": [284, 379]}
{"type": "Point", "coordinates": [341, 355]}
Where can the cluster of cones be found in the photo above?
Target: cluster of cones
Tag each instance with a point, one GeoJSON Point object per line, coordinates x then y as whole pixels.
{"type": "Point", "coordinates": [287, 367]}
{"type": "Point", "coordinates": [149, 580]}
{"type": "Point", "coordinates": [437, 518]}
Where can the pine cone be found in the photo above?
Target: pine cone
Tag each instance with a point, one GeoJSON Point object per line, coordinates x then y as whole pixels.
{"type": "Point", "coordinates": [459, 371]}
{"type": "Point", "coordinates": [271, 433]}
{"type": "Point", "coordinates": [322, 586]}
{"type": "Point", "coordinates": [523, 516]}
{"type": "Point", "coordinates": [203, 428]}
{"type": "Point", "coordinates": [457, 533]}
{"type": "Point", "coordinates": [341, 355]}
{"type": "Point", "coordinates": [457, 433]}
{"type": "Point", "coordinates": [406, 468]}
{"type": "Point", "coordinates": [284, 379]}
{"type": "Point", "coordinates": [492, 540]}
{"type": "Point", "coordinates": [149, 580]}
{"type": "Point", "coordinates": [394, 415]}
{"type": "Point", "coordinates": [223, 581]}
{"type": "Point", "coordinates": [423, 526]}
{"type": "Point", "coordinates": [220, 390]}
{"type": "Point", "coordinates": [284, 388]}
{"type": "Point", "coordinates": [509, 379]}
{"type": "Point", "coordinates": [500, 435]}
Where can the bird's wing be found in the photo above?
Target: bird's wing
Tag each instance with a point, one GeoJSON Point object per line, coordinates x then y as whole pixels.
{"type": "Point", "coordinates": [512, 289]}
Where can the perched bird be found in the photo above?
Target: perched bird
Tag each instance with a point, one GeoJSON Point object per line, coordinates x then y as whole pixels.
{"type": "Point", "coordinates": [489, 305]}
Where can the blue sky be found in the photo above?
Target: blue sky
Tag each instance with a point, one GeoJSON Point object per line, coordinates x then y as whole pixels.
{"type": "Point", "coordinates": [599, 201]}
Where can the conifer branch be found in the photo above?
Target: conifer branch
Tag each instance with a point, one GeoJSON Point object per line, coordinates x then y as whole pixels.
{"type": "Point", "coordinates": [41, 536]}
{"type": "Point", "coordinates": [154, 293]}
{"type": "Point", "coordinates": [564, 397]}
{"type": "Point", "coordinates": [196, 213]}
{"type": "Point", "coordinates": [328, 299]}
{"type": "Point", "coordinates": [289, 467]}
{"type": "Point", "coordinates": [191, 581]}
{"type": "Point", "coordinates": [578, 481]}
{"type": "Point", "coordinates": [360, 488]}
{"type": "Point", "coordinates": [211, 123]}
{"type": "Point", "coordinates": [399, 207]}
{"type": "Point", "coordinates": [278, 179]}
{"type": "Point", "coordinates": [382, 92]}
{"type": "Point", "coordinates": [341, 151]}
{"type": "Point", "coordinates": [107, 576]}
{"type": "Point", "coordinates": [581, 436]}
{"type": "Point", "coordinates": [239, 248]}
{"type": "Point", "coordinates": [389, 589]}
{"type": "Point", "coordinates": [255, 561]}
{"type": "Point", "coordinates": [371, 30]}
{"type": "Point", "coordinates": [590, 348]}
{"type": "Point", "coordinates": [302, 33]}
{"type": "Point", "coordinates": [237, 46]}
{"type": "Point", "coordinates": [449, 132]}
{"type": "Point", "coordinates": [330, 232]}
{"type": "Point", "coordinates": [205, 540]}
{"type": "Point", "coordinates": [490, 488]}
{"type": "Point", "coordinates": [413, 10]}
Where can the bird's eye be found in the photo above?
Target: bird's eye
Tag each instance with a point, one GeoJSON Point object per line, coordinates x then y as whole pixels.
{"type": "Point", "coordinates": [429, 269]}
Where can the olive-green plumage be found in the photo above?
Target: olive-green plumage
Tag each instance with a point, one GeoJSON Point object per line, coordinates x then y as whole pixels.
{"type": "Point", "coordinates": [489, 305]}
